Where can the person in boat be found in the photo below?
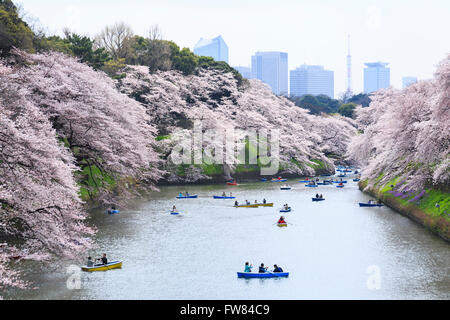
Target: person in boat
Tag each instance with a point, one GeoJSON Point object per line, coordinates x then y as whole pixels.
{"type": "Point", "coordinates": [370, 201]}
{"type": "Point", "coordinates": [187, 194]}
{"type": "Point", "coordinates": [90, 263]}
{"type": "Point", "coordinates": [236, 203]}
{"type": "Point", "coordinates": [379, 201]}
{"type": "Point", "coordinates": [317, 196]}
{"type": "Point", "coordinates": [281, 221]}
{"type": "Point", "coordinates": [223, 194]}
{"type": "Point", "coordinates": [181, 195]}
{"type": "Point", "coordinates": [248, 267]}
{"type": "Point", "coordinates": [264, 201]}
{"type": "Point", "coordinates": [231, 195]}
{"type": "Point", "coordinates": [262, 269]}
{"type": "Point", "coordinates": [103, 259]}
{"type": "Point", "coordinates": [321, 196]}
{"type": "Point", "coordinates": [247, 202]}
{"type": "Point", "coordinates": [277, 268]}
{"type": "Point", "coordinates": [256, 201]}
{"type": "Point", "coordinates": [174, 209]}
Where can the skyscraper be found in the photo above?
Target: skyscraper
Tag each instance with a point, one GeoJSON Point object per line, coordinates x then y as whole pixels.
{"type": "Point", "coordinates": [406, 81]}
{"type": "Point", "coordinates": [312, 80]}
{"type": "Point", "coordinates": [272, 68]}
{"type": "Point", "coordinates": [246, 72]}
{"type": "Point", "coordinates": [376, 76]}
{"type": "Point", "coordinates": [215, 48]}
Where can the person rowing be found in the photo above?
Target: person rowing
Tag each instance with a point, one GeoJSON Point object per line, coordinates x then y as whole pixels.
{"type": "Point", "coordinates": [281, 221]}
{"type": "Point", "coordinates": [103, 259]}
{"type": "Point", "coordinates": [174, 209]}
{"type": "Point", "coordinates": [264, 201]}
{"type": "Point", "coordinates": [321, 196]}
{"type": "Point", "coordinates": [223, 194]}
{"type": "Point", "coordinates": [262, 269]}
{"type": "Point", "coordinates": [236, 203]}
{"type": "Point", "coordinates": [317, 196]}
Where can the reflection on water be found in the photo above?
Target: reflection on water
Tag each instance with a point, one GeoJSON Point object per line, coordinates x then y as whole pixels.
{"type": "Point", "coordinates": [330, 248]}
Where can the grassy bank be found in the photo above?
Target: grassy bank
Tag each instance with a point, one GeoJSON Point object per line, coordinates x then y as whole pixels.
{"type": "Point", "coordinates": [429, 207]}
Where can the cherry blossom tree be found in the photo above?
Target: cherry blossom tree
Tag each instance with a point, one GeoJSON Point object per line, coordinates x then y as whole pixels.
{"type": "Point", "coordinates": [406, 134]}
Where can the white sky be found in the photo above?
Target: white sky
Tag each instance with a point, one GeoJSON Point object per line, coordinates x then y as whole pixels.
{"type": "Point", "coordinates": [412, 35]}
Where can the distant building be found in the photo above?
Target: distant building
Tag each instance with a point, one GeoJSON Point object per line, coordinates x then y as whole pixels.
{"type": "Point", "coordinates": [406, 81]}
{"type": "Point", "coordinates": [215, 48]}
{"type": "Point", "coordinates": [272, 68]}
{"type": "Point", "coordinates": [376, 76]}
{"type": "Point", "coordinates": [313, 80]}
{"type": "Point", "coordinates": [246, 72]}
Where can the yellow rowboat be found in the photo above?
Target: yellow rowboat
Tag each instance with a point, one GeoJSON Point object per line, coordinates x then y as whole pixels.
{"type": "Point", "coordinates": [103, 267]}
{"type": "Point", "coordinates": [282, 224]}
{"type": "Point", "coordinates": [265, 204]}
{"type": "Point", "coordinates": [247, 206]}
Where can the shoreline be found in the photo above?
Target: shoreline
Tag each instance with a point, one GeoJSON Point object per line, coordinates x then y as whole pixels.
{"type": "Point", "coordinates": [439, 226]}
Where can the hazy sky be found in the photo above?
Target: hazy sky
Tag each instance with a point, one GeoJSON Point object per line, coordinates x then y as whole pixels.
{"type": "Point", "coordinates": [412, 35]}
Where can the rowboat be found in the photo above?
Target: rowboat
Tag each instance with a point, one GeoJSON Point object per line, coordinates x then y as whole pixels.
{"type": "Point", "coordinates": [325, 175]}
{"type": "Point", "coordinates": [370, 205]}
{"type": "Point", "coordinates": [305, 181]}
{"type": "Point", "coordinates": [188, 197]}
{"type": "Point", "coordinates": [219, 197]}
{"type": "Point", "coordinates": [282, 225]}
{"type": "Point", "coordinates": [318, 199]}
{"type": "Point", "coordinates": [112, 211]}
{"type": "Point", "coordinates": [339, 186]}
{"type": "Point", "coordinates": [264, 204]}
{"type": "Point", "coordinates": [311, 185]}
{"type": "Point", "coordinates": [286, 211]}
{"type": "Point", "coordinates": [103, 267]}
{"type": "Point", "coordinates": [175, 213]}
{"type": "Point", "coordinates": [279, 180]}
{"type": "Point", "coordinates": [285, 188]}
{"type": "Point", "coordinates": [356, 180]}
{"type": "Point", "coordinates": [323, 183]}
{"type": "Point", "coordinates": [247, 206]}
{"type": "Point", "coordinates": [232, 183]}
{"type": "Point", "coordinates": [263, 179]}
{"type": "Point", "coordinates": [345, 181]}
{"type": "Point", "coordinates": [341, 176]}
{"type": "Point", "coordinates": [262, 275]}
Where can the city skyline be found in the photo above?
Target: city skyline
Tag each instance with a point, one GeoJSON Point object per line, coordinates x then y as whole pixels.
{"type": "Point", "coordinates": [312, 33]}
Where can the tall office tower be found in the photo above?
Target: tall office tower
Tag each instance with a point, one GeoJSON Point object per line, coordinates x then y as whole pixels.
{"type": "Point", "coordinates": [272, 68]}
{"type": "Point", "coordinates": [406, 81]}
{"type": "Point", "coordinates": [313, 80]}
{"type": "Point", "coordinates": [215, 48]}
{"type": "Point", "coordinates": [349, 68]}
{"type": "Point", "coordinates": [376, 76]}
{"type": "Point", "coordinates": [246, 72]}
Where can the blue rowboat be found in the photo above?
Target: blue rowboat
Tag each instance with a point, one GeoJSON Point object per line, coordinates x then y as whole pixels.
{"type": "Point", "coordinates": [263, 179]}
{"type": "Point", "coordinates": [281, 180]}
{"type": "Point", "coordinates": [305, 181]}
{"type": "Point", "coordinates": [188, 197]}
{"type": "Point", "coordinates": [356, 180]}
{"type": "Point", "coordinates": [323, 183]}
{"type": "Point", "coordinates": [318, 199]}
{"type": "Point", "coordinates": [112, 211]}
{"type": "Point", "coordinates": [340, 181]}
{"type": "Point", "coordinates": [339, 186]}
{"type": "Point", "coordinates": [325, 175]}
{"type": "Point", "coordinates": [175, 213]}
{"type": "Point", "coordinates": [283, 188]}
{"type": "Point", "coordinates": [286, 211]}
{"type": "Point", "coordinates": [311, 185]}
{"type": "Point", "coordinates": [262, 275]}
{"type": "Point", "coordinates": [219, 197]}
{"type": "Point", "coordinates": [370, 205]}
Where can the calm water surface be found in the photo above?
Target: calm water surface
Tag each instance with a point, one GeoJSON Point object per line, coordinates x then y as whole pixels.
{"type": "Point", "coordinates": [331, 249]}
